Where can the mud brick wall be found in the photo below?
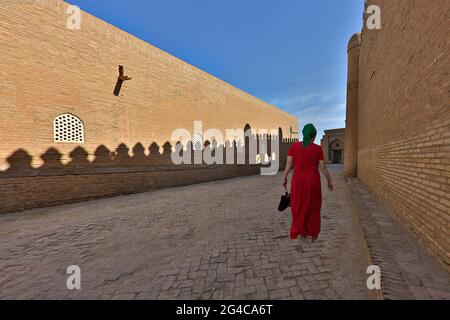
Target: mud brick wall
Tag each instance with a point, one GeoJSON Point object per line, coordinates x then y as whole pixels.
{"type": "Point", "coordinates": [403, 118]}
{"type": "Point", "coordinates": [47, 70]}
{"type": "Point", "coordinates": [19, 193]}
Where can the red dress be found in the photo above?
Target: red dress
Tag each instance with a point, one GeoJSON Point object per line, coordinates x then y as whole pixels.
{"type": "Point", "coordinates": [306, 191]}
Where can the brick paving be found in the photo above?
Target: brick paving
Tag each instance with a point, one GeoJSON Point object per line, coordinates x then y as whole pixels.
{"type": "Point", "coordinates": [218, 240]}
{"type": "Point", "coordinates": [408, 271]}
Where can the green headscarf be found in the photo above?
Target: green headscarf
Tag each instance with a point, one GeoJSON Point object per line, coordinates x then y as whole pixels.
{"type": "Point", "coordinates": [309, 131]}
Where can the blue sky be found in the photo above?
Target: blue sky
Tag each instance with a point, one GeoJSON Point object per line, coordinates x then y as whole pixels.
{"type": "Point", "coordinates": [290, 53]}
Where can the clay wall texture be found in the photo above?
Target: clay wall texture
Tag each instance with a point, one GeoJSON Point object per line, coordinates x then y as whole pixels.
{"type": "Point", "coordinates": [403, 117]}
{"type": "Point", "coordinates": [47, 70]}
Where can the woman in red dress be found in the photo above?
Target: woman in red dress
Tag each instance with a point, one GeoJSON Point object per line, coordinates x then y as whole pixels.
{"type": "Point", "coordinates": [306, 192]}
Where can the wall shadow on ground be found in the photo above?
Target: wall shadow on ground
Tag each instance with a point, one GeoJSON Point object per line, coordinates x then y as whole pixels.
{"type": "Point", "coordinates": [79, 176]}
{"type": "Point", "coordinates": [138, 157]}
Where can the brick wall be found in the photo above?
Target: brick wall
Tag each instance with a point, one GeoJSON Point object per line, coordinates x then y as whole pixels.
{"type": "Point", "coordinates": [21, 193]}
{"type": "Point", "coordinates": [47, 70]}
{"type": "Point", "coordinates": [404, 117]}
{"type": "Point", "coordinates": [351, 122]}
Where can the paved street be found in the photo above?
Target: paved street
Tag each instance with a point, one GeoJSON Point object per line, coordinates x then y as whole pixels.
{"type": "Point", "coordinates": [219, 240]}
{"type": "Point", "coordinates": [408, 271]}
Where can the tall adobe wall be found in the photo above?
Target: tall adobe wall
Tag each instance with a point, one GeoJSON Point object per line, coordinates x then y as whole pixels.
{"type": "Point", "coordinates": [351, 129]}
{"type": "Point", "coordinates": [48, 70]}
{"type": "Point", "coordinates": [403, 117]}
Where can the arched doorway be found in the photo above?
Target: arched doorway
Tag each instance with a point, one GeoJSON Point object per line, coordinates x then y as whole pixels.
{"type": "Point", "coordinates": [336, 150]}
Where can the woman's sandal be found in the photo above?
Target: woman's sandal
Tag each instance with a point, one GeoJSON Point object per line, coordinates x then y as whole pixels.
{"type": "Point", "coordinates": [312, 239]}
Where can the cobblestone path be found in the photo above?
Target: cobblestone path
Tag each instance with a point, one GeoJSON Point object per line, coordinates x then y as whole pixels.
{"type": "Point", "coordinates": [219, 240]}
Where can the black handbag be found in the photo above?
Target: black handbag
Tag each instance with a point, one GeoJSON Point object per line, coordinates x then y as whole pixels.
{"type": "Point", "coordinates": [285, 201]}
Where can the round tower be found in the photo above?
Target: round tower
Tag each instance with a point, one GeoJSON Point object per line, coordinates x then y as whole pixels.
{"type": "Point", "coordinates": [351, 122]}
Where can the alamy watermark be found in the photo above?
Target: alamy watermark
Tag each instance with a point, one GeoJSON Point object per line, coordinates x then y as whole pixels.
{"type": "Point", "coordinates": [373, 21]}
{"type": "Point", "coordinates": [74, 19]}
{"type": "Point", "coordinates": [239, 146]}
{"type": "Point", "coordinates": [374, 280]}
{"type": "Point", "coordinates": [74, 280]}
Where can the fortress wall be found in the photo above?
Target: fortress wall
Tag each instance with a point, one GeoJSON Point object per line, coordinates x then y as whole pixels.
{"type": "Point", "coordinates": [47, 70]}
{"type": "Point", "coordinates": [403, 117]}
{"type": "Point", "coordinates": [351, 127]}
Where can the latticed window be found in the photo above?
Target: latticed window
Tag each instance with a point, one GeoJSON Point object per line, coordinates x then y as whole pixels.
{"type": "Point", "coordinates": [68, 128]}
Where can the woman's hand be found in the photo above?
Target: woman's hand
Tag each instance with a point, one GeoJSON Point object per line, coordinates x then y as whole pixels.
{"type": "Point", "coordinates": [330, 185]}
{"type": "Point", "coordinates": [286, 171]}
{"type": "Point", "coordinates": [285, 181]}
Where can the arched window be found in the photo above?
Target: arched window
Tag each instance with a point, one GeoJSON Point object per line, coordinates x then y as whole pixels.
{"type": "Point", "coordinates": [68, 128]}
